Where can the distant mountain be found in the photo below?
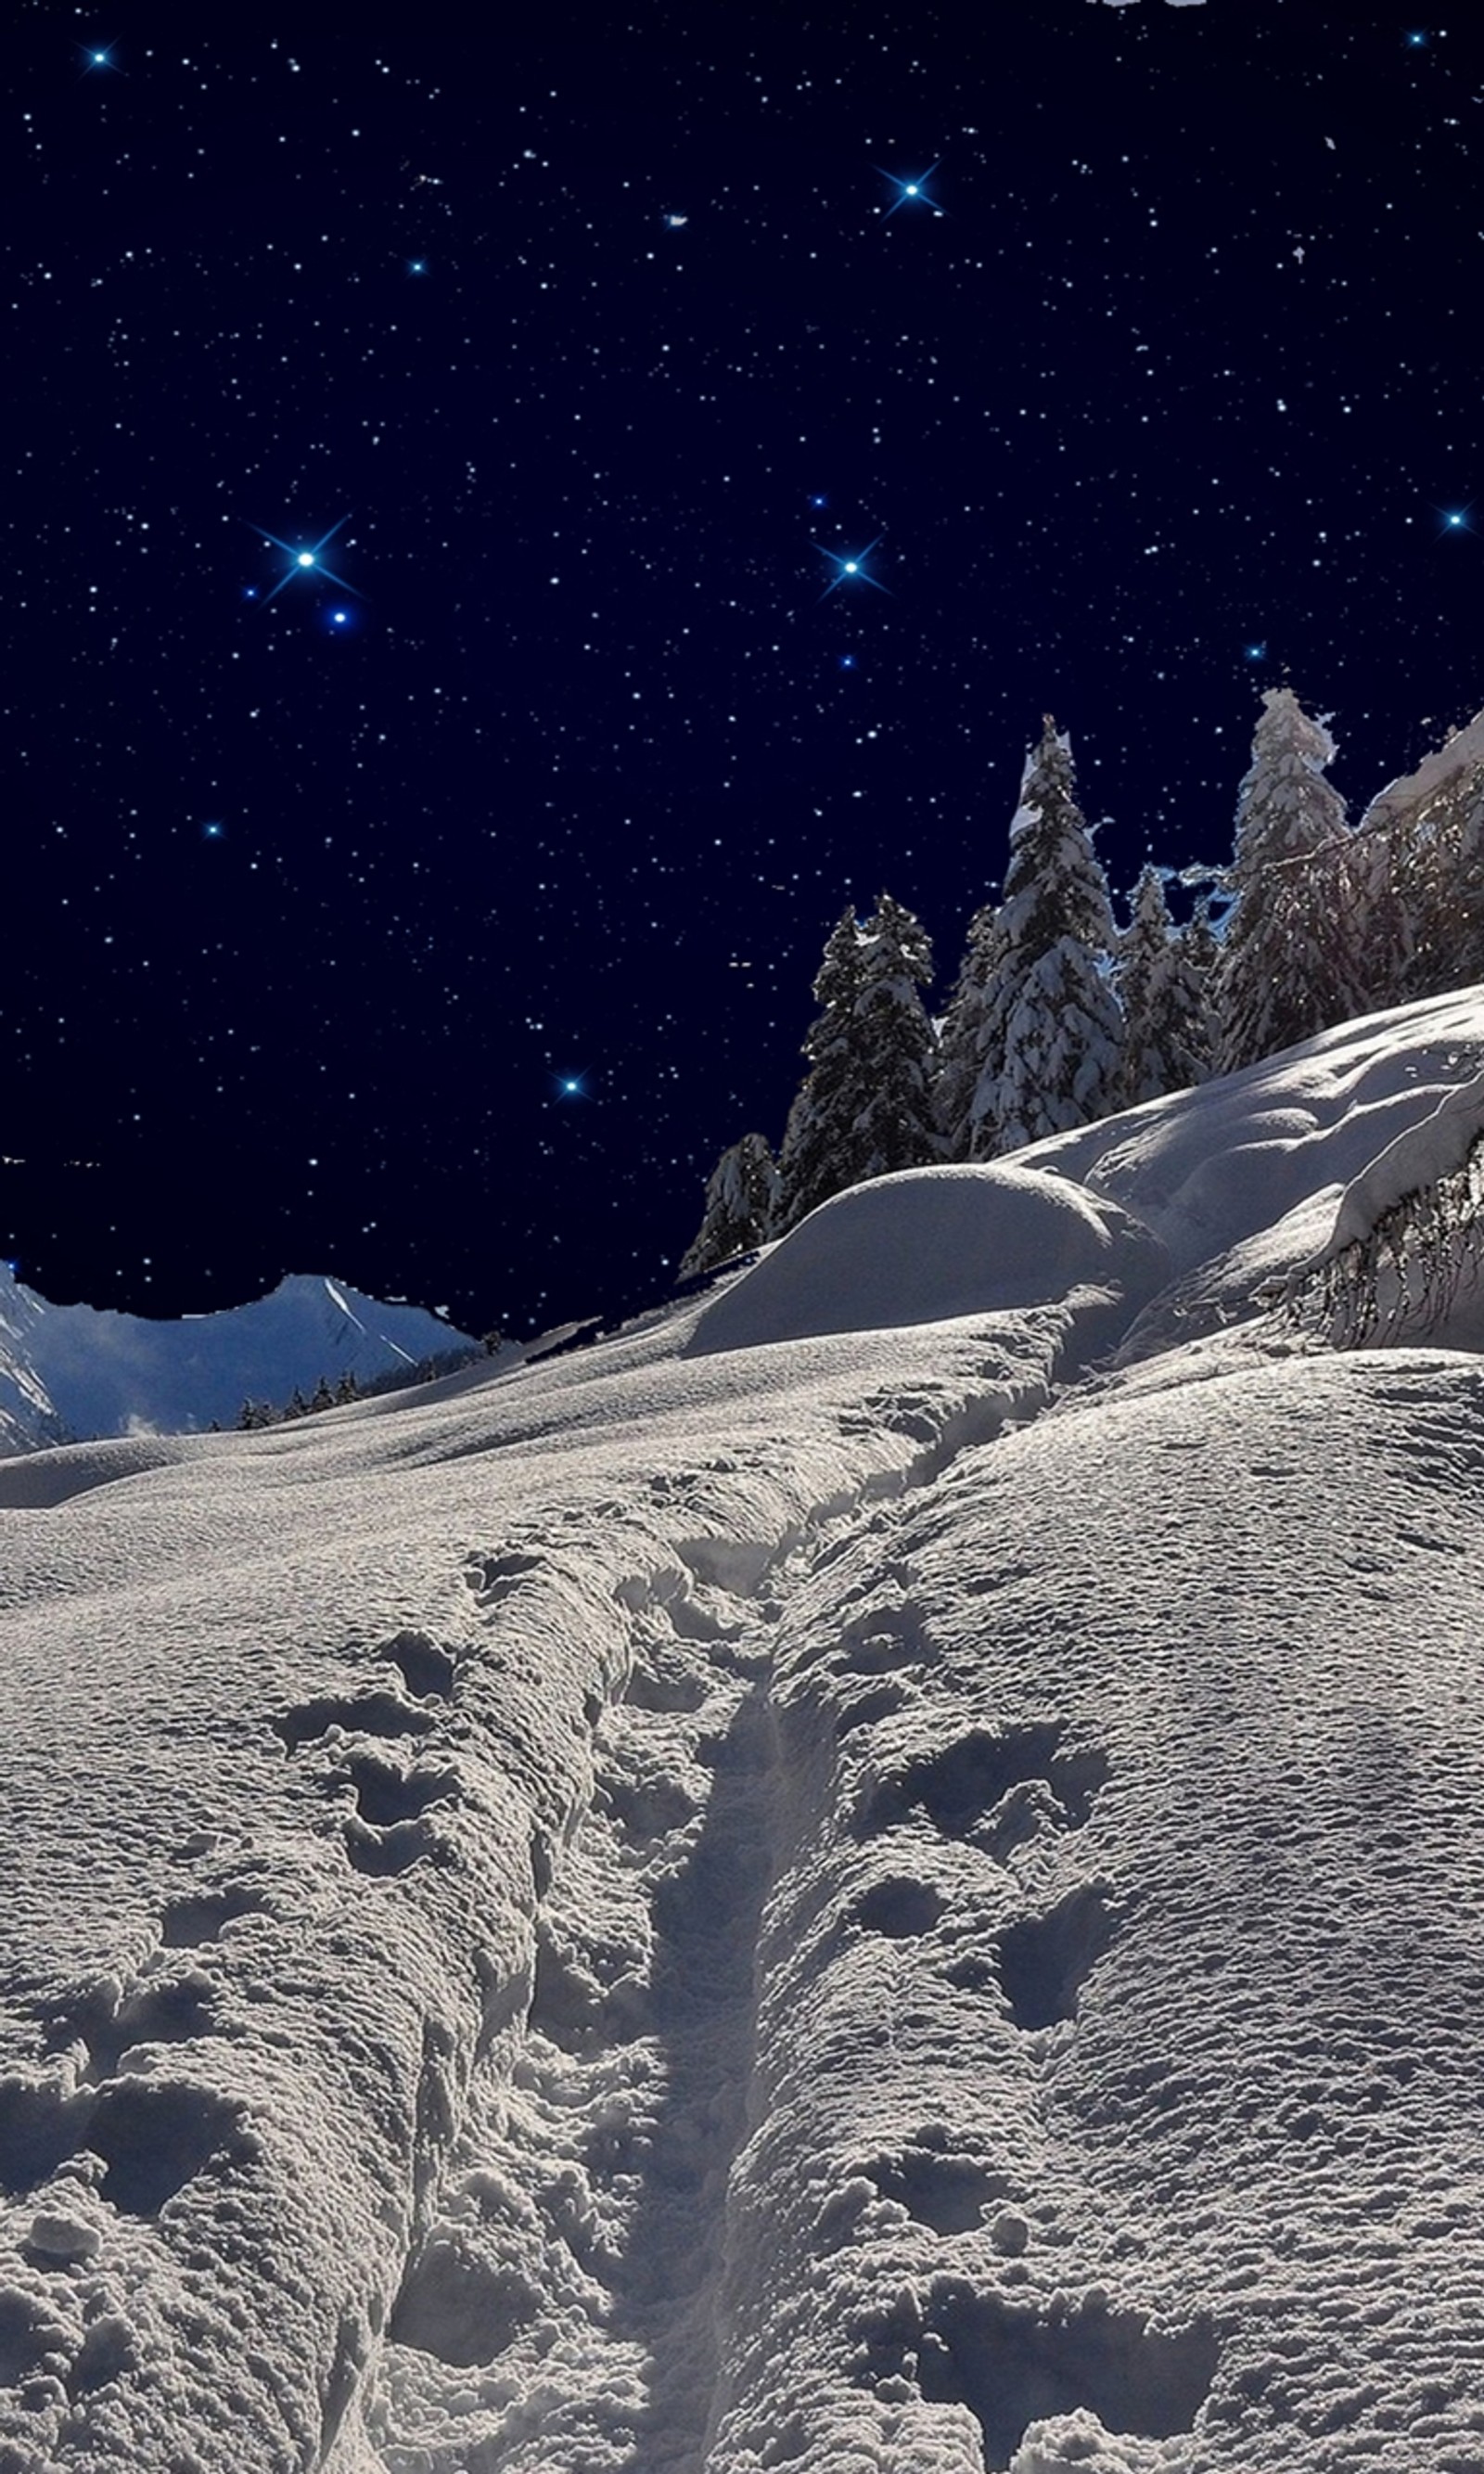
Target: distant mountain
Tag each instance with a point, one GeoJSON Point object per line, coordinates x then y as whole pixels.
{"type": "Point", "coordinates": [70, 1372]}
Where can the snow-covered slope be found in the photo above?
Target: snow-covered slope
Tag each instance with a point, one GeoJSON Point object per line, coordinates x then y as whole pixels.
{"type": "Point", "coordinates": [69, 1370]}
{"type": "Point", "coordinates": [884, 1899]}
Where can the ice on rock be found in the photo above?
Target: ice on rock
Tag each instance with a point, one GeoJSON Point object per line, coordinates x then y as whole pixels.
{"type": "Point", "coordinates": [854, 1903]}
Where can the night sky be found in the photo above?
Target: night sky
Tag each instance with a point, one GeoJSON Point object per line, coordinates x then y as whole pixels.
{"type": "Point", "coordinates": [577, 354]}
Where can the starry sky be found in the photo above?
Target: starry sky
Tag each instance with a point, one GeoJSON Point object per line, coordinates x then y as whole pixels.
{"type": "Point", "coordinates": [509, 532]}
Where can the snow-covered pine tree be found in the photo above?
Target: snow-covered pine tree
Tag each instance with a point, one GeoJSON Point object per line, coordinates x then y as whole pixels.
{"type": "Point", "coordinates": [864, 1108]}
{"type": "Point", "coordinates": [1419, 850]}
{"type": "Point", "coordinates": [1166, 1027]}
{"type": "Point", "coordinates": [1292, 960]}
{"type": "Point", "coordinates": [1051, 1031]}
{"type": "Point", "coordinates": [816, 1157]}
{"type": "Point", "coordinates": [967, 1062]}
{"type": "Point", "coordinates": [740, 1193]}
{"type": "Point", "coordinates": [894, 1125]}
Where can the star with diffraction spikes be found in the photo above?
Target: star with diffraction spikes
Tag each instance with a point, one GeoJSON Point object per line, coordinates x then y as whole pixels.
{"type": "Point", "coordinates": [305, 562]}
{"type": "Point", "coordinates": [850, 567]}
{"type": "Point", "coordinates": [95, 60]}
{"type": "Point", "coordinates": [912, 193]}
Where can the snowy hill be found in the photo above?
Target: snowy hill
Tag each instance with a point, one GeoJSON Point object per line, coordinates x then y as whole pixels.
{"type": "Point", "coordinates": [79, 1370]}
{"type": "Point", "coordinates": [826, 1884]}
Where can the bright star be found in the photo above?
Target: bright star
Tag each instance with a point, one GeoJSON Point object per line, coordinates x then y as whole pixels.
{"type": "Point", "coordinates": [570, 1086]}
{"type": "Point", "coordinates": [849, 568]}
{"type": "Point", "coordinates": [215, 832]}
{"type": "Point", "coordinates": [1416, 38]}
{"type": "Point", "coordinates": [1455, 520]}
{"type": "Point", "coordinates": [417, 266]}
{"type": "Point", "coordinates": [95, 57]}
{"type": "Point", "coordinates": [912, 192]}
{"type": "Point", "coordinates": [1256, 652]}
{"type": "Point", "coordinates": [302, 561]}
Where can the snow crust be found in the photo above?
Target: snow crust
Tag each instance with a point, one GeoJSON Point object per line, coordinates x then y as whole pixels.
{"type": "Point", "coordinates": [864, 1901]}
{"type": "Point", "coordinates": [80, 1370]}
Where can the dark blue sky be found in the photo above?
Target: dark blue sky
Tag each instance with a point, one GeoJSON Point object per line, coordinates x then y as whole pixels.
{"type": "Point", "coordinates": [591, 332]}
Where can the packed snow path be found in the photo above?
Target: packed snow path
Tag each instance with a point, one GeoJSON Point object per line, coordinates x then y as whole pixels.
{"type": "Point", "coordinates": [806, 1904]}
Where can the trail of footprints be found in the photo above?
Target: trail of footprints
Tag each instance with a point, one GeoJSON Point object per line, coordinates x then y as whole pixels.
{"type": "Point", "coordinates": [1009, 2361]}
{"type": "Point", "coordinates": [94, 2128]}
{"type": "Point", "coordinates": [578, 2223]}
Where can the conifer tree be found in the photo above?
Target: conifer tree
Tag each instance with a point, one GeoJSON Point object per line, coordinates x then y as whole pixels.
{"type": "Point", "coordinates": [1291, 962]}
{"type": "Point", "coordinates": [814, 1158]}
{"type": "Point", "coordinates": [1050, 1028]}
{"type": "Point", "coordinates": [864, 1108]}
{"type": "Point", "coordinates": [1420, 867]}
{"type": "Point", "coordinates": [1166, 1033]}
{"type": "Point", "coordinates": [893, 1126]}
{"type": "Point", "coordinates": [741, 1194]}
{"type": "Point", "coordinates": [969, 1062]}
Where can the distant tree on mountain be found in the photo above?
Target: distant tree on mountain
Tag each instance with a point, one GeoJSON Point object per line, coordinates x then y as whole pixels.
{"type": "Point", "coordinates": [1292, 959]}
{"type": "Point", "coordinates": [864, 1108]}
{"type": "Point", "coordinates": [1162, 991]}
{"type": "Point", "coordinates": [740, 1195]}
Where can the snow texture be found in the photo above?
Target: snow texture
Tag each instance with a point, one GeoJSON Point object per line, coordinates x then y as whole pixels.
{"type": "Point", "coordinates": [76, 1370]}
{"type": "Point", "coordinates": [840, 1894]}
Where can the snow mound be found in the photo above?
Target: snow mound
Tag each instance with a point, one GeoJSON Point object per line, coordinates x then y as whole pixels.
{"type": "Point", "coordinates": [931, 1245]}
{"type": "Point", "coordinates": [1208, 1168]}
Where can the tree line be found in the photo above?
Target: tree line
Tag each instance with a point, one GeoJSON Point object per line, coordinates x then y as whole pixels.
{"type": "Point", "coordinates": [1058, 1016]}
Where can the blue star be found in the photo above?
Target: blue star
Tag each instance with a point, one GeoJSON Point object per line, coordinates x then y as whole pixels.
{"type": "Point", "coordinates": [213, 832]}
{"type": "Point", "coordinates": [1454, 520]}
{"type": "Point", "coordinates": [417, 266]}
{"type": "Point", "coordinates": [306, 562]}
{"type": "Point", "coordinates": [1416, 38]}
{"type": "Point", "coordinates": [818, 499]}
{"type": "Point", "coordinates": [912, 193]}
{"type": "Point", "coordinates": [850, 567]}
{"type": "Point", "coordinates": [96, 59]}
{"type": "Point", "coordinates": [847, 661]}
{"type": "Point", "coordinates": [1254, 653]}
{"type": "Point", "coordinates": [572, 1086]}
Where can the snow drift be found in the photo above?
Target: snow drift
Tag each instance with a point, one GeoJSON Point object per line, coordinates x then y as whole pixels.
{"type": "Point", "coordinates": [828, 1898]}
{"type": "Point", "coordinates": [932, 1244]}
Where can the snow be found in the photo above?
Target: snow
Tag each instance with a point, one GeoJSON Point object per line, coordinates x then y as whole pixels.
{"type": "Point", "coordinates": [1459, 754]}
{"type": "Point", "coordinates": [75, 1370]}
{"type": "Point", "coordinates": [820, 1884]}
{"type": "Point", "coordinates": [929, 1244]}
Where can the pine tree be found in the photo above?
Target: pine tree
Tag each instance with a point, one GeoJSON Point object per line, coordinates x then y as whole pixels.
{"type": "Point", "coordinates": [864, 1108]}
{"type": "Point", "coordinates": [1166, 1037]}
{"type": "Point", "coordinates": [1050, 1028]}
{"type": "Point", "coordinates": [741, 1194]}
{"type": "Point", "coordinates": [814, 1158]}
{"type": "Point", "coordinates": [1292, 961]}
{"type": "Point", "coordinates": [1419, 850]}
{"type": "Point", "coordinates": [969, 1065]}
{"type": "Point", "coordinates": [893, 1125]}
